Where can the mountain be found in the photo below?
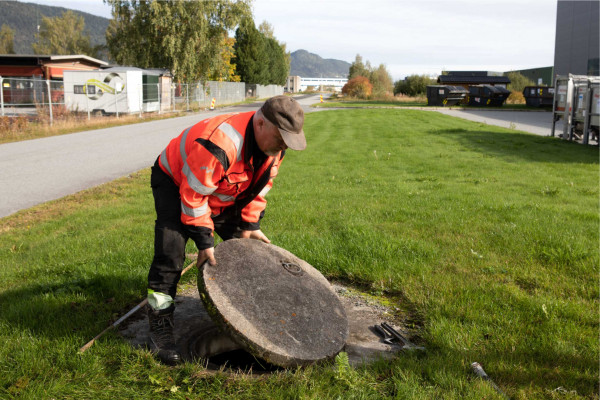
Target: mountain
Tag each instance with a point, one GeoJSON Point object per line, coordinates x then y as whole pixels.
{"type": "Point", "coordinates": [24, 18]}
{"type": "Point", "coordinates": [309, 65]}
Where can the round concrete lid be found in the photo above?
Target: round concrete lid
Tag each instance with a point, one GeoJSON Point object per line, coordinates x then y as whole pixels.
{"type": "Point", "coordinates": [277, 306]}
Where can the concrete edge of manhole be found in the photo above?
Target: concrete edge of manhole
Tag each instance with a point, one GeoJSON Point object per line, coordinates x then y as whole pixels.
{"type": "Point", "coordinates": [363, 345]}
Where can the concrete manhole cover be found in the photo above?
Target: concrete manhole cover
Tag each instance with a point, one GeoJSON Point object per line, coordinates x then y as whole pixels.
{"type": "Point", "coordinates": [274, 304]}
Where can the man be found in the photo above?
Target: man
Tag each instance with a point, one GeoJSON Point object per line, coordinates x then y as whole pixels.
{"type": "Point", "coordinates": [213, 178]}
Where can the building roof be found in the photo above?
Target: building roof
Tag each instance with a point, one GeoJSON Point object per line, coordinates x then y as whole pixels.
{"type": "Point", "coordinates": [53, 57]}
{"type": "Point", "coordinates": [446, 79]}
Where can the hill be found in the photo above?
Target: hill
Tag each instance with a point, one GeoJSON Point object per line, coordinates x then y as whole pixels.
{"type": "Point", "coordinates": [310, 65]}
{"type": "Point", "coordinates": [24, 18]}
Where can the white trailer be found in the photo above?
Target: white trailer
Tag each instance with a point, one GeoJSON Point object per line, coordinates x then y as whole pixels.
{"type": "Point", "coordinates": [110, 91]}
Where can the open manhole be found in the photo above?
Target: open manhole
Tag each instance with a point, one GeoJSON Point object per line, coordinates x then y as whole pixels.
{"type": "Point", "coordinates": [201, 340]}
{"type": "Point", "coordinates": [217, 351]}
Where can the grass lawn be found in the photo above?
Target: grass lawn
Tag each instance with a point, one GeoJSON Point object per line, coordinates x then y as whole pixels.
{"type": "Point", "coordinates": [487, 239]}
{"type": "Point", "coordinates": [415, 103]}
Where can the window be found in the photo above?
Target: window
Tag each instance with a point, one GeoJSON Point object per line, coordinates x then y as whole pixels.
{"type": "Point", "coordinates": [91, 89]}
{"type": "Point", "coordinates": [78, 89]}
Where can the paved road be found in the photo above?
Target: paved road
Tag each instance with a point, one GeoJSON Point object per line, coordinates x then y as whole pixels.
{"type": "Point", "coordinates": [536, 122]}
{"type": "Point", "coordinates": [36, 171]}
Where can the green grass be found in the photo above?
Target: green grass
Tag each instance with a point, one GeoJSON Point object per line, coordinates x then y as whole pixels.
{"type": "Point", "coordinates": [486, 237]}
{"type": "Point", "coordinates": [401, 104]}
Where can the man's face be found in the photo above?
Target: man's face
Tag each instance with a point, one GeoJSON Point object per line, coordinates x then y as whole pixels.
{"type": "Point", "coordinates": [269, 139]}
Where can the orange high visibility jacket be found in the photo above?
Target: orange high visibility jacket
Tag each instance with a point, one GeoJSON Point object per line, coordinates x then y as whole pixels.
{"type": "Point", "coordinates": [211, 163]}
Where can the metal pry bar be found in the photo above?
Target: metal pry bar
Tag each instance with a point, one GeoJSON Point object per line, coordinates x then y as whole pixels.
{"type": "Point", "coordinates": [478, 369]}
{"type": "Point", "coordinates": [387, 338]}
{"type": "Point", "coordinates": [407, 344]}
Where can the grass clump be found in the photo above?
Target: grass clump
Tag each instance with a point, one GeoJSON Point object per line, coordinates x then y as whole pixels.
{"type": "Point", "coordinates": [486, 236]}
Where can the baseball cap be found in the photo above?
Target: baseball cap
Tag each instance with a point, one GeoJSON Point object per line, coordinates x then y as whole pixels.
{"type": "Point", "coordinates": [287, 115]}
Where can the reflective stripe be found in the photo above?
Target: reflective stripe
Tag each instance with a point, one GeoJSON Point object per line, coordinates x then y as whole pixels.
{"type": "Point", "coordinates": [194, 212]}
{"type": "Point", "coordinates": [159, 301]}
{"type": "Point", "coordinates": [264, 192]}
{"type": "Point", "coordinates": [165, 161]}
{"type": "Point", "coordinates": [182, 145]}
{"type": "Point", "coordinates": [194, 183]}
{"type": "Point", "coordinates": [224, 197]}
{"type": "Point", "coordinates": [236, 138]}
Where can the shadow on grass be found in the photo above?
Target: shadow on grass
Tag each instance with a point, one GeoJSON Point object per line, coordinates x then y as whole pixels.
{"type": "Point", "coordinates": [511, 145]}
{"type": "Point", "coordinates": [80, 307]}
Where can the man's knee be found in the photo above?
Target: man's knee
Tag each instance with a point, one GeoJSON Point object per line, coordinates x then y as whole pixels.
{"type": "Point", "coordinates": [169, 245]}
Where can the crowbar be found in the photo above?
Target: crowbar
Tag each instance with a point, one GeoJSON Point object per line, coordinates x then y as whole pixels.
{"type": "Point", "coordinates": [124, 317]}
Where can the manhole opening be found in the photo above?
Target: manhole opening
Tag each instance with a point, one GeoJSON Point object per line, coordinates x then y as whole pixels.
{"type": "Point", "coordinates": [217, 351]}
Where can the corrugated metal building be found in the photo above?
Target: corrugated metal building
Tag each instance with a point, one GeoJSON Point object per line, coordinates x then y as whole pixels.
{"type": "Point", "coordinates": [577, 45]}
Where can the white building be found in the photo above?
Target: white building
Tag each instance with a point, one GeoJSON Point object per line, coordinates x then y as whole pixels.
{"type": "Point", "coordinates": [336, 83]}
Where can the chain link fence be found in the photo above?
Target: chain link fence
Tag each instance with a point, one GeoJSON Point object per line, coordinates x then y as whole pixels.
{"type": "Point", "coordinates": [36, 96]}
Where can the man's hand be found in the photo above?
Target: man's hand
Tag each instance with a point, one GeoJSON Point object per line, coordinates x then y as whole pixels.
{"type": "Point", "coordinates": [206, 254]}
{"type": "Point", "coordinates": [258, 235]}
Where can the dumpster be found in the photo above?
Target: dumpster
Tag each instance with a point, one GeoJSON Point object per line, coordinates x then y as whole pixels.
{"type": "Point", "coordinates": [444, 95]}
{"type": "Point", "coordinates": [487, 95]}
{"type": "Point", "coordinates": [538, 96]}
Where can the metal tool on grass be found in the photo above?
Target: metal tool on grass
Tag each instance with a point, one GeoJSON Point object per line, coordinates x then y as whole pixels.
{"type": "Point", "coordinates": [129, 314]}
{"type": "Point", "coordinates": [391, 335]}
{"type": "Point", "coordinates": [387, 338]}
{"type": "Point", "coordinates": [478, 369]}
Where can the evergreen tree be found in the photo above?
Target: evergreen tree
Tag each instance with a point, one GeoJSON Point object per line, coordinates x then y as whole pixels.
{"type": "Point", "coordinates": [251, 58]}
{"type": "Point", "coordinates": [358, 68]}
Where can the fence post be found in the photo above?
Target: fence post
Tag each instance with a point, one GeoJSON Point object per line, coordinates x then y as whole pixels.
{"type": "Point", "coordinates": [141, 98]}
{"type": "Point", "coordinates": [173, 97]}
{"type": "Point", "coordinates": [159, 98]}
{"type": "Point", "coordinates": [49, 100]}
{"type": "Point", "coordinates": [187, 97]}
{"type": "Point", "coordinates": [2, 95]}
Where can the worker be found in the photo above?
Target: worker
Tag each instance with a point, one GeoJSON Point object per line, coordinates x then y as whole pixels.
{"type": "Point", "coordinates": [213, 178]}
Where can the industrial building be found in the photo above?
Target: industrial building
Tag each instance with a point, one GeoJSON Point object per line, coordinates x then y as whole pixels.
{"type": "Point", "coordinates": [577, 45]}
{"type": "Point", "coordinates": [297, 84]}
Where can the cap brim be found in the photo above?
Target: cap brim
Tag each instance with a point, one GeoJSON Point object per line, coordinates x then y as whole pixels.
{"type": "Point", "coordinates": [294, 141]}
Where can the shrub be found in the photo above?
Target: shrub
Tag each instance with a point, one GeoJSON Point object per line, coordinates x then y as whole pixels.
{"type": "Point", "coordinates": [515, 97]}
{"type": "Point", "coordinates": [358, 87]}
{"type": "Point", "coordinates": [413, 85]}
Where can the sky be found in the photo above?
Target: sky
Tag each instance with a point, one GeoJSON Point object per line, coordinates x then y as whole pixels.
{"type": "Point", "coordinates": [408, 37]}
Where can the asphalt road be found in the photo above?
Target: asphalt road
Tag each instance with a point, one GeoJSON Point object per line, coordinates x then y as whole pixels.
{"type": "Point", "coordinates": [536, 122]}
{"type": "Point", "coordinates": [40, 170]}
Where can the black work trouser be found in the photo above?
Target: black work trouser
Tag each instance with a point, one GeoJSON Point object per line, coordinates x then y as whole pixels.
{"type": "Point", "coordinates": [170, 236]}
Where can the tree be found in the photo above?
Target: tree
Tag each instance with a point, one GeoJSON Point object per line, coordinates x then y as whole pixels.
{"type": "Point", "coordinates": [63, 35]}
{"type": "Point", "coordinates": [413, 85]}
{"type": "Point", "coordinates": [184, 36]}
{"type": "Point", "coordinates": [260, 58]}
{"type": "Point", "coordinates": [380, 78]}
{"type": "Point", "coordinates": [358, 87]}
{"type": "Point", "coordinates": [224, 69]}
{"type": "Point", "coordinates": [250, 53]}
{"type": "Point", "coordinates": [7, 40]}
{"type": "Point", "coordinates": [357, 68]}
{"type": "Point", "coordinates": [279, 67]}
{"type": "Point", "coordinates": [280, 60]}
{"type": "Point", "coordinates": [382, 81]}
{"type": "Point", "coordinates": [518, 82]}
{"type": "Point", "coordinates": [266, 29]}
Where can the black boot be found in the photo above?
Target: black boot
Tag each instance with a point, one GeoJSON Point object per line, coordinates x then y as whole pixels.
{"type": "Point", "coordinates": [161, 334]}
